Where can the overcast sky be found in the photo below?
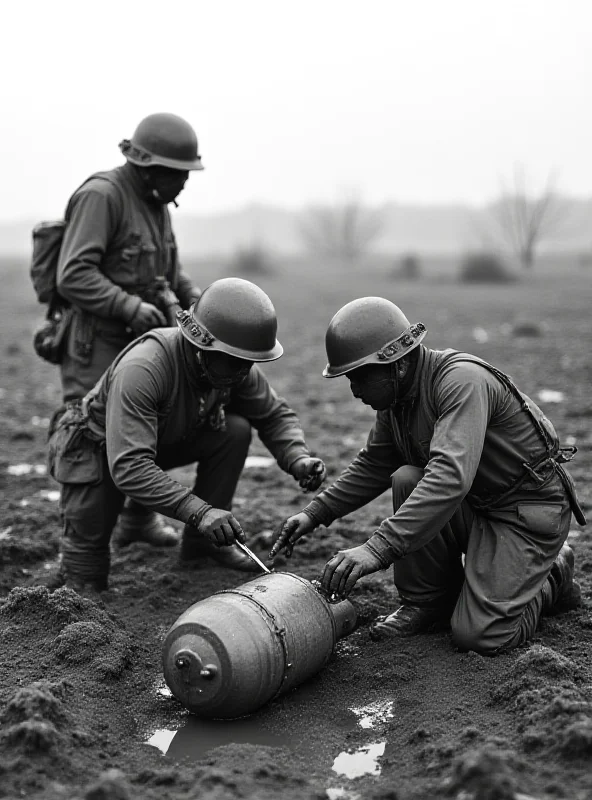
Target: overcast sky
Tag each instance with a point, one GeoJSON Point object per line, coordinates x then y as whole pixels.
{"type": "Point", "coordinates": [421, 101]}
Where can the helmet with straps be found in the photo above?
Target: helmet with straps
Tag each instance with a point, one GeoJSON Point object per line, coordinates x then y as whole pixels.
{"type": "Point", "coordinates": [163, 139]}
{"type": "Point", "coordinates": [233, 316]}
{"type": "Point", "coordinates": [369, 330]}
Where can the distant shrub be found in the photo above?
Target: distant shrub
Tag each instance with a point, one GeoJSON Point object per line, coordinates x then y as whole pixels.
{"type": "Point", "coordinates": [527, 327]}
{"type": "Point", "coordinates": [408, 268]}
{"type": "Point", "coordinates": [251, 260]}
{"type": "Point", "coordinates": [484, 268]}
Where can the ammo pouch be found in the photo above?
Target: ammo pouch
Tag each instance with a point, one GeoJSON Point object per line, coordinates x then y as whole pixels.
{"type": "Point", "coordinates": [50, 337]}
{"type": "Point", "coordinates": [75, 456]}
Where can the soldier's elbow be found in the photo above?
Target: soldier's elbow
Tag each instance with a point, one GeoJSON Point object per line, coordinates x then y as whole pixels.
{"type": "Point", "coordinates": [63, 285]}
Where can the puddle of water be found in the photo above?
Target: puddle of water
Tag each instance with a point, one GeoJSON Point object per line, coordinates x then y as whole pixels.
{"type": "Point", "coordinates": [27, 469]}
{"type": "Point", "coordinates": [259, 461]}
{"type": "Point", "coordinates": [24, 503]}
{"type": "Point", "coordinates": [375, 713]}
{"type": "Point", "coordinates": [198, 736]}
{"type": "Point", "coordinates": [162, 740]}
{"type": "Point", "coordinates": [5, 532]}
{"type": "Point", "coordinates": [363, 761]}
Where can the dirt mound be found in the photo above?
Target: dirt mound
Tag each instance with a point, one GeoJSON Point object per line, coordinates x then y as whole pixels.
{"type": "Point", "coordinates": [552, 701]}
{"type": "Point", "coordinates": [483, 774]}
{"type": "Point", "coordinates": [67, 629]}
{"type": "Point", "coordinates": [38, 735]}
{"type": "Point", "coordinates": [111, 785]}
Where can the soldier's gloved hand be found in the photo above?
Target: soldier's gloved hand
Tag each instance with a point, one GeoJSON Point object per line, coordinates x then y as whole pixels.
{"type": "Point", "coordinates": [309, 472]}
{"type": "Point", "coordinates": [347, 566]}
{"type": "Point", "coordinates": [289, 531]}
{"type": "Point", "coordinates": [220, 527]}
{"type": "Point", "coordinates": [147, 317]}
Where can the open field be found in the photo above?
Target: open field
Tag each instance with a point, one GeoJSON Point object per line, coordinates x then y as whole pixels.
{"type": "Point", "coordinates": [441, 723]}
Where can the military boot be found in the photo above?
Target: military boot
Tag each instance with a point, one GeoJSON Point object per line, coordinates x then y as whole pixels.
{"type": "Point", "coordinates": [560, 592]}
{"type": "Point", "coordinates": [196, 548]}
{"type": "Point", "coordinates": [135, 524]}
{"type": "Point", "coordinates": [54, 579]}
{"type": "Point", "coordinates": [87, 587]}
{"type": "Point", "coordinates": [409, 620]}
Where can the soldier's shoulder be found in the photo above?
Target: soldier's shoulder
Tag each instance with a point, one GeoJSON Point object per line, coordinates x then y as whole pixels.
{"type": "Point", "coordinates": [104, 184]}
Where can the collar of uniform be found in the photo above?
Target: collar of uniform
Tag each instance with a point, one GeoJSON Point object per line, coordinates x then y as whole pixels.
{"type": "Point", "coordinates": [132, 175]}
{"type": "Point", "coordinates": [411, 393]}
{"type": "Point", "coordinates": [197, 380]}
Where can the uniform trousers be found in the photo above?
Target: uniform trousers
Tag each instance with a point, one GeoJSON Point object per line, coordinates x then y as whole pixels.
{"type": "Point", "coordinates": [497, 597]}
{"type": "Point", "coordinates": [90, 510]}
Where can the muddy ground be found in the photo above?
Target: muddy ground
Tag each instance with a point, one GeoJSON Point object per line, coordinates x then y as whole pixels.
{"type": "Point", "coordinates": [81, 689]}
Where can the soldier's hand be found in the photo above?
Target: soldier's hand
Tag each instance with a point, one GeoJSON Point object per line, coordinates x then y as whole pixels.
{"type": "Point", "coordinates": [345, 568]}
{"type": "Point", "coordinates": [289, 531]}
{"type": "Point", "coordinates": [309, 472]}
{"type": "Point", "coordinates": [220, 527]}
{"type": "Point", "coordinates": [147, 317]}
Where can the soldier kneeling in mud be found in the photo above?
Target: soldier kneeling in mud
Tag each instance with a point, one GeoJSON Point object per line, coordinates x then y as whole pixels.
{"type": "Point", "coordinates": [176, 396]}
{"type": "Point", "coordinates": [475, 468]}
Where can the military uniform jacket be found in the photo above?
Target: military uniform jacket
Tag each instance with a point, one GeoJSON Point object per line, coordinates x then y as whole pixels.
{"type": "Point", "coordinates": [149, 402]}
{"type": "Point", "coordinates": [469, 433]}
{"type": "Point", "coordinates": [115, 244]}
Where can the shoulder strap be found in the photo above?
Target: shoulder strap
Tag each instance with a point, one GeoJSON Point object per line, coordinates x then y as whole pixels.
{"type": "Point", "coordinates": [551, 447]}
{"type": "Point", "coordinates": [90, 395]}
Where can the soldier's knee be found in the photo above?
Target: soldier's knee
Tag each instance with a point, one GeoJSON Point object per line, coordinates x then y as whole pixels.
{"type": "Point", "coordinates": [467, 638]}
{"type": "Point", "coordinates": [404, 480]}
{"type": "Point", "coordinates": [238, 429]}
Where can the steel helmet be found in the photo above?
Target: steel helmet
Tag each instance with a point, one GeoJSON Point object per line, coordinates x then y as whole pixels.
{"type": "Point", "coordinates": [370, 330]}
{"type": "Point", "coordinates": [233, 316]}
{"type": "Point", "coordinates": [163, 139]}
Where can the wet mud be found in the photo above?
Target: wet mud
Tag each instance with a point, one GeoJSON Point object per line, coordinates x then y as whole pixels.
{"type": "Point", "coordinates": [84, 712]}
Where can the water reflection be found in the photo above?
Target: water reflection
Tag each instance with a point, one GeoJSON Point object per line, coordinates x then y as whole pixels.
{"type": "Point", "coordinates": [198, 736]}
{"type": "Point", "coordinates": [363, 761]}
{"type": "Point", "coordinates": [375, 713]}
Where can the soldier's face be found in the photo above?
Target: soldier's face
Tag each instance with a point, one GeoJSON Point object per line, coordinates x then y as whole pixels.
{"type": "Point", "coordinates": [374, 385]}
{"type": "Point", "coordinates": [378, 385]}
{"type": "Point", "coordinates": [222, 370]}
{"type": "Point", "coordinates": [167, 183]}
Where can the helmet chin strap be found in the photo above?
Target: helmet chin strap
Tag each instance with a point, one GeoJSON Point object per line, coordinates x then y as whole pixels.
{"type": "Point", "coordinates": [156, 195]}
{"type": "Point", "coordinates": [402, 375]}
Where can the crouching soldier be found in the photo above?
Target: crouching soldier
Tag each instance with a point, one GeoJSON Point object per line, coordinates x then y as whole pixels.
{"type": "Point", "coordinates": [475, 468]}
{"type": "Point", "coordinates": [176, 396]}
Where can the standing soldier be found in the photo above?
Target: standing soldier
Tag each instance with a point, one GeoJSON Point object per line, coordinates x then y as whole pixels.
{"type": "Point", "coordinates": [173, 397]}
{"type": "Point", "coordinates": [475, 468]}
{"type": "Point", "coordinates": [118, 260]}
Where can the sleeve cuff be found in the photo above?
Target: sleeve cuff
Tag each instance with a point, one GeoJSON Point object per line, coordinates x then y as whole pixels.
{"type": "Point", "coordinates": [190, 506]}
{"type": "Point", "coordinates": [129, 306]}
{"type": "Point", "coordinates": [292, 458]}
{"type": "Point", "coordinates": [319, 512]}
{"type": "Point", "coordinates": [383, 548]}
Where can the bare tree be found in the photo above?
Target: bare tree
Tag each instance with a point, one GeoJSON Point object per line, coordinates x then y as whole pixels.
{"type": "Point", "coordinates": [525, 218]}
{"type": "Point", "coordinates": [344, 231]}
